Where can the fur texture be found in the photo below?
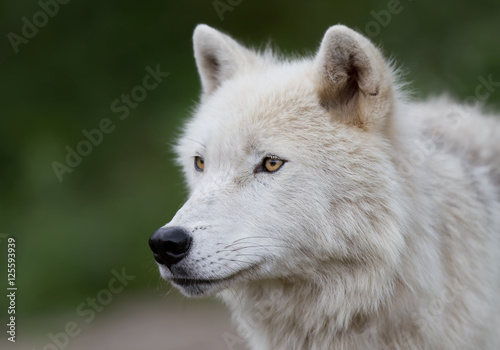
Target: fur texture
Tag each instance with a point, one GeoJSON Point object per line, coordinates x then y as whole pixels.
{"type": "Point", "coordinates": [380, 230]}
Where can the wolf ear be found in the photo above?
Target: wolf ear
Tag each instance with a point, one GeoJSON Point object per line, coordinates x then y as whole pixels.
{"type": "Point", "coordinates": [353, 80]}
{"type": "Point", "coordinates": [218, 57]}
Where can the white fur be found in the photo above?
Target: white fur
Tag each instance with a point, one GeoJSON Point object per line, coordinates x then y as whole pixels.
{"type": "Point", "coordinates": [380, 231]}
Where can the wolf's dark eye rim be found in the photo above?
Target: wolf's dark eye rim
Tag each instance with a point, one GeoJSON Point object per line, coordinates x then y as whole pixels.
{"type": "Point", "coordinates": [199, 163]}
{"type": "Point", "coordinates": [270, 164]}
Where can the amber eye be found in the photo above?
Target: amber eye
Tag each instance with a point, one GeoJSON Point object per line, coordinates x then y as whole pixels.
{"type": "Point", "coordinates": [199, 163]}
{"type": "Point", "coordinates": [272, 164]}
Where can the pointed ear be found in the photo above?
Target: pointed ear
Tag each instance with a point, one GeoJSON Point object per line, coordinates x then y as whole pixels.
{"type": "Point", "coordinates": [218, 57]}
{"type": "Point", "coordinates": [353, 79]}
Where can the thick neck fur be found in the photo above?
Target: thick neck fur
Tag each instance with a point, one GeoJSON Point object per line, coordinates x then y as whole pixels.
{"type": "Point", "coordinates": [286, 316]}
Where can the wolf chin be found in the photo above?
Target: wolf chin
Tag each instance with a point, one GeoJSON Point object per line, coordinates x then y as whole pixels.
{"type": "Point", "coordinates": [329, 210]}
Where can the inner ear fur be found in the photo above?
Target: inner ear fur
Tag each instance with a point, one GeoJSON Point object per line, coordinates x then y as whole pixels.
{"type": "Point", "coordinates": [353, 79]}
{"type": "Point", "coordinates": [218, 57]}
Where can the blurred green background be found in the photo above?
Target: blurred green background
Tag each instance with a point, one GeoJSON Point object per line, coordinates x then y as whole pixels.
{"type": "Point", "coordinates": [71, 234]}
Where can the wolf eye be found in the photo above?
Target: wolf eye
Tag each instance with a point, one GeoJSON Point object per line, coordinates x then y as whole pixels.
{"type": "Point", "coordinates": [199, 163]}
{"type": "Point", "coordinates": [271, 165]}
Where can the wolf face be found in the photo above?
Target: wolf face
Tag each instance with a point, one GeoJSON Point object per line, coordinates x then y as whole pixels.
{"type": "Point", "coordinates": [287, 169]}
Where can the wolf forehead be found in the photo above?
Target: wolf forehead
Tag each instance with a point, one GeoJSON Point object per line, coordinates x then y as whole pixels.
{"type": "Point", "coordinates": [280, 93]}
{"type": "Point", "coordinates": [259, 107]}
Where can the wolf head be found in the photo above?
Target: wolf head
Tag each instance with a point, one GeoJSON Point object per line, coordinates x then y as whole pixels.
{"type": "Point", "coordinates": [289, 168]}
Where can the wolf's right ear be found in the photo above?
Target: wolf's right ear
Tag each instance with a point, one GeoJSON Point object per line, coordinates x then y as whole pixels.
{"type": "Point", "coordinates": [218, 57]}
{"type": "Point", "coordinates": [353, 80]}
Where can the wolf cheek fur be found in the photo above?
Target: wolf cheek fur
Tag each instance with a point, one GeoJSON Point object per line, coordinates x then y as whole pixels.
{"type": "Point", "coordinates": [350, 243]}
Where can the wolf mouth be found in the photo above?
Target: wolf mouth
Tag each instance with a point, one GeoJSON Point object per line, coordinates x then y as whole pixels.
{"type": "Point", "coordinates": [183, 281]}
{"type": "Point", "coordinates": [202, 283]}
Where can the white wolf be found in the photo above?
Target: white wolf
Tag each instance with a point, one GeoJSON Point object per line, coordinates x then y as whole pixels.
{"type": "Point", "coordinates": [328, 210]}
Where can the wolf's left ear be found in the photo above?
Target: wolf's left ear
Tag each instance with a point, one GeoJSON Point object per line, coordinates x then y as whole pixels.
{"type": "Point", "coordinates": [353, 79]}
{"type": "Point", "coordinates": [218, 57]}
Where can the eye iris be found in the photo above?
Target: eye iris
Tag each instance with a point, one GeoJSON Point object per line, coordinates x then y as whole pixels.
{"type": "Point", "coordinates": [273, 164]}
{"type": "Point", "coordinates": [199, 163]}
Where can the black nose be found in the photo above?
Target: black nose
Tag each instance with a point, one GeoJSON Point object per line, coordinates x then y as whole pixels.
{"type": "Point", "coordinates": [170, 245]}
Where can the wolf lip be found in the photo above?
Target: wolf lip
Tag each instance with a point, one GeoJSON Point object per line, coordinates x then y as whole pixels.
{"type": "Point", "coordinates": [194, 281]}
{"type": "Point", "coordinates": [187, 282]}
{"type": "Point", "coordinates": [196, 287]}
